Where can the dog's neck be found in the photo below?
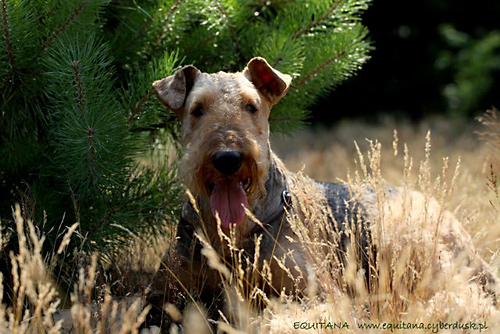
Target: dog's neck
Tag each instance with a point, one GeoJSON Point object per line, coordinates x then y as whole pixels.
{"type": "Point", "coordinates": [272, 201]}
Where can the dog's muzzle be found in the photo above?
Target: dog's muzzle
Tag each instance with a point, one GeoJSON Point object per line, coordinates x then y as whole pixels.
{"type": "Point", "coordinates": [228, 197]}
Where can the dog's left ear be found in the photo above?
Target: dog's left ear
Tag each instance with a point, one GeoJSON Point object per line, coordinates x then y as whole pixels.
{"type": "Point", "coordinates": [270, 82]}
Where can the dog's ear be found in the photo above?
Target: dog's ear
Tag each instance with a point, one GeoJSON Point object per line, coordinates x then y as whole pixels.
{"type": "Point", "coordinates": [173, 90]}
{"type": "Point", "coordinates": [270, 82]}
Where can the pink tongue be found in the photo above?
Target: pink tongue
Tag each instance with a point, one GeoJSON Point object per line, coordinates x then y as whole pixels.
{"type": "Point", "coordinates": [228, 199]}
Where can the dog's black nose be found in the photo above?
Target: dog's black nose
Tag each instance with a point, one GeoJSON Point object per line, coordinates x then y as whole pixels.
{"type": "Point", "coordinates": [227, 162]}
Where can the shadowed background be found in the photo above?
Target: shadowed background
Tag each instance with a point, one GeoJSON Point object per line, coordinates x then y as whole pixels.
{"type": "Point", "coordinates": [431, 57]}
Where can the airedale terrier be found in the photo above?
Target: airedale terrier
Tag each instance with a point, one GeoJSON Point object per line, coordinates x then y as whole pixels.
{"type": "Point", "coordinates": [240, 187]}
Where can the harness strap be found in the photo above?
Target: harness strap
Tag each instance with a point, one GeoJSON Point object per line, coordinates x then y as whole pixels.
{"type": "Point", "coordinates": [286, 203]}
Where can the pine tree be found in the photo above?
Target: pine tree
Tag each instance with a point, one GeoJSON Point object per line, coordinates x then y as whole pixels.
{"type": "Point", "coordinates": [320, 43]}
{"type": "Point", "coordinates": [78, 116]}
{"type": "Point", "coordinates": [68, 151]}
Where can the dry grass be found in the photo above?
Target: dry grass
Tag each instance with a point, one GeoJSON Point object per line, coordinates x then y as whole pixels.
{"type": "Point", "coordinates": [330, 155]}
{"type": "Point", "coordinates": [35, 306]}
{"type": "Point", "coordinates": [410, 286]}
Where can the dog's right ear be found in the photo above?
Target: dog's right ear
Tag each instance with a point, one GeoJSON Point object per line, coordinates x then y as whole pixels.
{"type": "Point", "coordinates": [173, 90]}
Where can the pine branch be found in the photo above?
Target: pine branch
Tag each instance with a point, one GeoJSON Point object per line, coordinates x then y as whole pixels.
{"type": "Point", "coordinates": [65, 25]}
{"type": "Point", "coordinates": [321, 67]}
{"type": "Point", "coordinates": [140, 104]}
{"type": "Point", "coordinates": [139, 33]}
{"type": "Point", "coordinates": [92, 143]}
{"type": "Point", "coordinates": [79, 89]}
{"type": "Point", "coordinates": [152, 127]}
{"type": "Point", "coordinates": [141, 30]}
{"type": "Point", "coordinates": [43, 17]}
{"type": "Point", "coordinates": [173, 8]}
{"type": "Point", "coordinates": [6, 32]}
{"type": "Point", "coordinates": [320, 20]}
{"type": "Point", "coordinates": [232, 32]}
{"type": "Point", "coordinates": [171, 11]}
{"type": "Point", "coordinates": [92, 140]}
{"type": "Point", "coordinates": [277, 62]}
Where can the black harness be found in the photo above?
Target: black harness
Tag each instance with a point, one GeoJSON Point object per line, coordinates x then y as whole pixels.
{"type": "Point", "coordinates": [285, 205]}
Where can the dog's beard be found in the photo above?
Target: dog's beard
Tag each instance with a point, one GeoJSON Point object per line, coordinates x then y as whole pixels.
{"type": "Point", "coordinates": [228, 196]}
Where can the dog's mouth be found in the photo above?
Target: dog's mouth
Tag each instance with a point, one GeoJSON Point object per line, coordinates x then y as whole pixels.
{"type": "Point", "coordinates": [228, 199]}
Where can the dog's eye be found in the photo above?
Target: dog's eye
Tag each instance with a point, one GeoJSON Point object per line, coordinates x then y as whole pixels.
{"type": "Point", "coordinates": [197, 112]}
{"type": "Point", "coordinates": [251, 108]}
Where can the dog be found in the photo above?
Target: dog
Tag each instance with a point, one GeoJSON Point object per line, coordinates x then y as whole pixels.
{"type": "Point", "coordinates": [241, 189]}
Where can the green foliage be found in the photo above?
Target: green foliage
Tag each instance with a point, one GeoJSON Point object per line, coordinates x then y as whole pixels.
{"type": "Point", "coordinates": [320, 43]}
{"type": "Point", "coordinates": [67, 146]}
{"type": "Point", "coordinates": [83, 128]}
{"type": "Point", "coordinates": [474, 62]}
{"type": "Point", "coordinates": [78, 117]}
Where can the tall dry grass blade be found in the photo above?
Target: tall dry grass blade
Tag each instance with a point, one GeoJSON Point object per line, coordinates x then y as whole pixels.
{"type": "Point", "coordinates": [195, 321]}
{"type": "Point", "coordinates": [34, 295]}
{"type": "Point", "coordinates": [361, 159]}
{"type": "Point", "coordinates": [395, 142]}
{"type": "Point", "coordinates": [173, 312]}
{"type": "Point", "coordinates": [214, 261]}
{"type": "Point", "coordinates": [491, 137]}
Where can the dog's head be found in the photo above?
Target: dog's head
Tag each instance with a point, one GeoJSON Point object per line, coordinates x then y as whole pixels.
{"type": "Point", "coordinates": [225, 132]}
